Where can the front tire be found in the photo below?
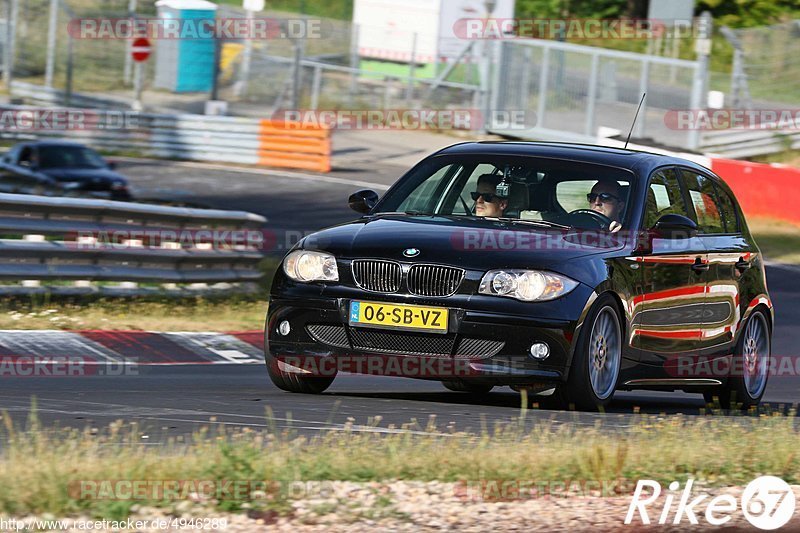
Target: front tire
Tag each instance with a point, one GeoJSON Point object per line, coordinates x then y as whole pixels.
{"type": "Point", "coordinates": [598, 357]}
{"type": "Point", "coordinates": [294, 381]}
{"type": "Point", "coordinates": [751, 362]}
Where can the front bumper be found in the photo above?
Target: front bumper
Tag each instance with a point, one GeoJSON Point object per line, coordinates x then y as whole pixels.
{"type": "Point", "coordinates": [488, 338]}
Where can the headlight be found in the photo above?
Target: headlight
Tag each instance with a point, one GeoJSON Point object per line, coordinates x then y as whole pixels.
{"type": "Point", "coordinates": [302, 265]}
{"type": "Point", "coordinates": [526, 285]}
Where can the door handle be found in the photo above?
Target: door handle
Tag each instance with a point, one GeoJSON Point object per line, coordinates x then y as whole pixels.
{"type": "Point", "coordinates": [699, 266]}
{"type": "Point", "coordinates": [742, 265]}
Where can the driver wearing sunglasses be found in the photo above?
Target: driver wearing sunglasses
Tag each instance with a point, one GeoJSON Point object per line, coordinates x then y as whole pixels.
{"type": "Point", "coordinates": [487, 203]}
{"type": "Point", "coordinates": [606, 199]}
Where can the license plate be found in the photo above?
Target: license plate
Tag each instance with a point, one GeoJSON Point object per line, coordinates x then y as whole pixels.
{"type": "Point", "coordinates": [392, 316]}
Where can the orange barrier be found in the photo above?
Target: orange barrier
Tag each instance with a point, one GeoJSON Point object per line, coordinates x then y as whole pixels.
{"type": "Point", "coordinates": [294, 145]}
{"type": "Point", "coordinates": [762, 190]}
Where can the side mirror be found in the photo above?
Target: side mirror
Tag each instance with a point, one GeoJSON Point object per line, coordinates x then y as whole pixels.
{"type": "Point", "coordinates": [675, 226]}
{"type": "Point", "coordinates": [112, 165]}
{"type": "Point", "coordinates": [363, 201]}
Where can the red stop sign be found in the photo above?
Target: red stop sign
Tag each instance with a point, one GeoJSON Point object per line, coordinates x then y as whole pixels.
{"type": "Point", "coordinates": [140, 50]}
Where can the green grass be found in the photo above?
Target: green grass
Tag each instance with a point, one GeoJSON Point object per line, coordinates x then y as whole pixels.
{"type": "Point", "coordinates": [779, 241]}
{"type": "Point", "coordinates": [38, 468]}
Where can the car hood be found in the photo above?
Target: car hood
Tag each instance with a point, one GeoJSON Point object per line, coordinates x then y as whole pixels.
{"type": "Point", "coordinates": [471, 243]}
{"type": "Point", "coordinates": [83, 175]}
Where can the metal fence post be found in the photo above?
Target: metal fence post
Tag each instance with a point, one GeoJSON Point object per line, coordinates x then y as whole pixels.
{"type": "Point", "coordinates": [700, 82]}
{"type": "Point", "coordinates": [129, 45]}
{"type": "Point", "coordinates": [51, 44]}
{"type": "Point", "coordinates": [387, 91]}
{"type": "Point", "coordinates": [525, 79]}
{"type": "Point", "coordinates": [498, 55]}
{"type": "Point", "coordinates": [591, 97]}
{"type": "Point", "coordinates": [354, 63]}
{"type": "Point", "coordinates": [412, 67]}
{"type": "Point", "coordinates": [11, 36]}
{"type": "Point", "coordinates": [543, 74]}
{"type": "Point", "coordinates": [296, 73]}
{"type": "Point", "coordinates": [247, 53]}
{"type": "Point", "coordinates": [315, 86]}
{"type": "Point", "coordinates": [643, 83]}
{"type": "Point", "coordinates": [70, 62]}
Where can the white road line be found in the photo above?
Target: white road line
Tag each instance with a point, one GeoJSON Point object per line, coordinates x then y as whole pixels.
{"type": "Point", "coordinates": [262, 172]}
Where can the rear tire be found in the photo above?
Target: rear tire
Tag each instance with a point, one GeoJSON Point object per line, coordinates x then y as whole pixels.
{"type": "Point", "coordinates": [751, 362]}
{"type": "Point", "coordinates": [595, 366]}
{"type": "Point", "coordinates": [467, 386]}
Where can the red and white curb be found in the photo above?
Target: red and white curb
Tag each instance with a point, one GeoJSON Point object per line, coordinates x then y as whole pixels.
{"type": "Point", "coordinates": [140, 347]}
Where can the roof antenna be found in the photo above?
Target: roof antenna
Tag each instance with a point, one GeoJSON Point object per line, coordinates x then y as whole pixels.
{"type": "Point", "coordinates": [634, 121]}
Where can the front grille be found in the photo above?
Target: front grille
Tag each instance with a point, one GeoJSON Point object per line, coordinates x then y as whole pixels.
{"type": "Point", "coordinates": [401, 343]}
{"type": "Point", "coordinates": [434, 280]}
{"type": "Point", "coordinates": [330, 335]}
{"type": "Point", "coordinates": [478, 348]}
{"type": "Point", "coordinates": [376, 275]}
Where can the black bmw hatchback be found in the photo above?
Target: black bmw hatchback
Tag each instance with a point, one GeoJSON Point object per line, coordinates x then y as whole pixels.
{"type": "Point", "coordinates": [569, 271]}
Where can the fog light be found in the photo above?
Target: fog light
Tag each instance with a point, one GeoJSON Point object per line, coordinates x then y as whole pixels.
{"type": "Point", "coordinates": [540, 350]}
{"type": "Point", "coordinates": [284, 328]}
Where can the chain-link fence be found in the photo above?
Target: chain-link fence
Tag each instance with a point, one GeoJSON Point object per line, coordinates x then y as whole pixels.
{"type": "Point", "coordinates": [82, 65]}
{"type": "Point", "coordinates": [766, 64]}
{"type": "Point", "coordinates": [576, 89]}
{"type": "Point", "coordinates": [567, 91]}
{"type": "Point", "coordinates": [256, 76]}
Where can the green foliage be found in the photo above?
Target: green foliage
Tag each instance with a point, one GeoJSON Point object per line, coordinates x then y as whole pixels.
{"type": "Point", "coordinates": [749, 13]}
{"type": "Point", "coordinates": [733, 13]}
{"type": "Point", "coordinates": [574, 8]}
{"type": "Point", "coordinates": [334, 9]}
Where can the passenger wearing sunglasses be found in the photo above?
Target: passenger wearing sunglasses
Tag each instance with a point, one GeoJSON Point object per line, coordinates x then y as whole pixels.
{"type": "Point", "coordinates": [606, 199]}
{"type": "Point", "coordinates": [487, 203]}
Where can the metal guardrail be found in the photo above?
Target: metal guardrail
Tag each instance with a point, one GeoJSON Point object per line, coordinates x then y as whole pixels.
{"type": "Point", "coordinates": [90, 241]}
{"type": "Point", "coordinates": [747, 143]}
{"type": "Point", "coordinates": [190, 137]}
{"type": "Point", "coordinates": [50, 96]}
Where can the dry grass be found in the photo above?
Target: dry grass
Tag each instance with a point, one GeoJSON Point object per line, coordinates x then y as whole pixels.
{"type": "Point", "coordinates": [177, 315]}
{"type": "Point", "coordinates": [37, 468]}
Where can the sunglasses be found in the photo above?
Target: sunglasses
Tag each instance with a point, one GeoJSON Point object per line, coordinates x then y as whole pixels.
{"type": "Point", "coordinates": [487, 196]}
{"type": "Point", "coordinates": [604, 197]}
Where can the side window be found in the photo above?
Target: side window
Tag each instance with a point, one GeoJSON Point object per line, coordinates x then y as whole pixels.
{"type": "Point", "coordinates": [26, 156]}
{"type": "Point", "coordinates": [704, 202]}
{"type": "Point", "coordinates": [664, 197]}
{"type": "Point", "coordinates": [727, 210]}
{"type": "Point", "coordinates": [421, 197]}
{"type": "Point", "coordinates": [472, 185]}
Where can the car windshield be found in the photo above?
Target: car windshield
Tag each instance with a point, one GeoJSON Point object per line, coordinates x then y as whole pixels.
{"type": "Point", "coordinates": [576, 194]}
{"type": "Point", "coordinates": [69, 157]}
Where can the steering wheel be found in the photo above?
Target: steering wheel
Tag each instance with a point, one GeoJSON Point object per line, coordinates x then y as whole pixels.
{"type": "Point", "coordinates": [603, 221]}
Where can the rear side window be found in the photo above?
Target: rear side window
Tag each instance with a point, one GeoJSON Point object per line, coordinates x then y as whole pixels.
{"type": "Point", "coordinates": [704, 201]}
{"type": "Point", "coordinates": [664, 197]}
{"type": "Point", "coordinates": [728, 210]}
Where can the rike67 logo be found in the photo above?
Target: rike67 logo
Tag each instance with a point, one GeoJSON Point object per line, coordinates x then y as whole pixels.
{"type": "Point", "coordinates": [767, 503]}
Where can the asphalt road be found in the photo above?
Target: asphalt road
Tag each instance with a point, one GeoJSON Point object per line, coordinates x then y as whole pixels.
{"type": "Point", "coordinates": [174, 400]}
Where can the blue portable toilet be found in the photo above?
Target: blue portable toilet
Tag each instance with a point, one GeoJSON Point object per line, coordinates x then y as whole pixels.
{"type": "Point", "coordinates": [185, 64]}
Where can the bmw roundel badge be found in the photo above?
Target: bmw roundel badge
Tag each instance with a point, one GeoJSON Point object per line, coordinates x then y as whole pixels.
{"type": "Point", "coordinates": [411, 252]}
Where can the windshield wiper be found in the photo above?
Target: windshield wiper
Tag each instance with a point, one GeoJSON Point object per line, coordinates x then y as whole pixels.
{"type": "Point", "coordinates": [409, 213]}
{"type": "Point", "coordinates": [545, 223]}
